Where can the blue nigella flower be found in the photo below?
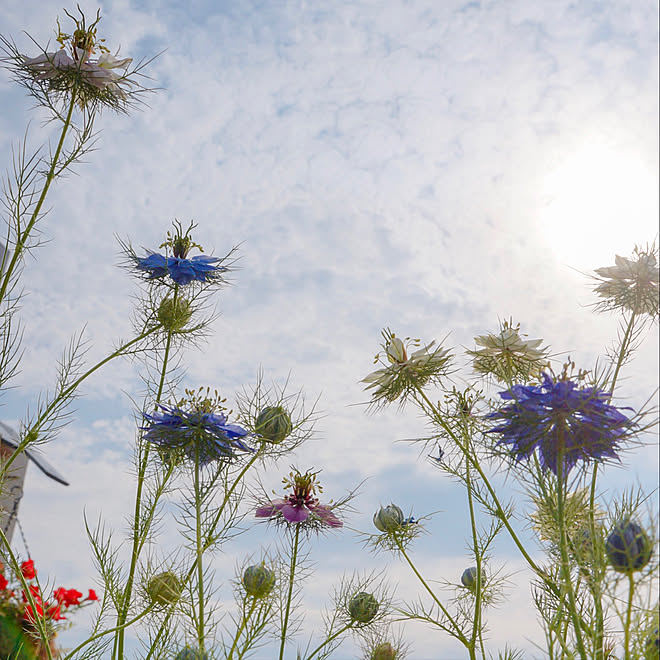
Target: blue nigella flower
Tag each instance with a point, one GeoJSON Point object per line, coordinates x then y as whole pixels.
{"type": "Point", "coordinates": [203, 436]}
{"type": "Point", "coordinates": [561, 420]}
{"type": "Point", "coordinates": [182, 270]}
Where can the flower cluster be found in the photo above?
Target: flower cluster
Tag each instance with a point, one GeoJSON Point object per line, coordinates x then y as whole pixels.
{"type": "Point", "coordinates": [507, 356]}
{"type": "Point", "coordinates": [564, 422]}
{"type": "Point", "coordinates": [301, 505]}
{"type": "Point", "coordinates": [402, 373]}
{"type": "Point", "coordinates": [178, 267]}
{"type": "Point", "coordinates": [15, 603]}
{"type": "Point", "coordinates": [196, 427]}
{"type": "Point", "coordinates": [631, 284]}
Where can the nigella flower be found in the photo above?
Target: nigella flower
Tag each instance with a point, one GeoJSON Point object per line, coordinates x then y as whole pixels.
{"type": "Point", "coordinates": [300, 505]}
{"type": "Point", "coordinates": [631, 284]}
{"type": "Point", "coordinates": [404, 374]}
{"type": "Point", "coordinates": [564, 422]}
{"type": "Point", "coordinates": [181, 269]}
{"type": "Point", "coordinates": [198, 430]}
{"type": "Point", "coordinates": [507, 356]}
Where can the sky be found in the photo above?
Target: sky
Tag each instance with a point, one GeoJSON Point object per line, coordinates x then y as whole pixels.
{"type": "Point", "coordinates": [432, 167]}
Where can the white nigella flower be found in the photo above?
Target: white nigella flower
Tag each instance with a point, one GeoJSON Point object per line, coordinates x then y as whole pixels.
{"type": "Point", "coordinates": [631, 284]}
{"type": "Point", "coordinates": [402, 373]}
{"type": "Point", "coordinates": [507, 356]}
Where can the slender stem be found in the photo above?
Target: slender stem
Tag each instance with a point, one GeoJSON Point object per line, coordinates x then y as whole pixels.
{"type": "Point", "coordinates": [626, 631]}
{"type": "Point", "coordinates": [565, 571]}
{"type": "Point", "coordinates": [476, 623]}
{"type": "Point", "coordinates": [199, 552]}
{"type": "Point", "coordinates": [139, 535]}
{"type": "Point", "coordinates": [69, 390]}
{"type": "Point", "coordinates": [22, 237]}
{"type": "Point", "coordinates": [245, 619]}
{"type": "Point", "coordinates": [443, 609]}
{"type": "Point", "coordinates": [625, 345]}
{"type": "Point", "coordinates": [292, 573]}
{"type": "Point", "coordinates": [332, 637]}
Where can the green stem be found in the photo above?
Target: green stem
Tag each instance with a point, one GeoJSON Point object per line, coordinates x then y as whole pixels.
{"type": "Point", "coordinates": [332, 637]}
{"type": "Point", "coordinates": [292, 572]}
{"type": "Point", "coordinates": [459, 634]}
{"type": "Point", "coordinates": [22, 237]}
{"type": "Point", "coordinates": [626, 631]}
{"type": "Point", "coordinates": [139, 536]}
{"type": "Point", "coordinates": [625, 344]}
{"type": "Point", "coordinates": [199, 552]}
{"type": "Point", "coordinates": [476, 623]}
{"type": "Point", "coordinates": [565, 571]}
{"type": "Point", "coordinates": [212, 528]}
{"type": "Point", "coordinates": [246, 618]}
{"type": "Point", "coordinates": [67, 392]}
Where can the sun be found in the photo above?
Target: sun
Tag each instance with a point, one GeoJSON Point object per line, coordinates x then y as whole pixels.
{"type": "Point", "coordinates": [600, 201]}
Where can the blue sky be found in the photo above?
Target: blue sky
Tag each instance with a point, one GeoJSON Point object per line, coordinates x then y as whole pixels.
{"type": "Point", "coordinates": [428, 166]}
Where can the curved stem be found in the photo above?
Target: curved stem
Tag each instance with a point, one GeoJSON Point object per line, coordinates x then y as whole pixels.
{"type": "Point", "coordinates": [292, 572]}
{"type": "Point", "coordinates": [22, 237]}
{"type": "Point", "coordinates": [244, 621]}
{"type": "Point", "coordinates": [332, 637]}
{"type": "Point", "coordinates": [459, 634]}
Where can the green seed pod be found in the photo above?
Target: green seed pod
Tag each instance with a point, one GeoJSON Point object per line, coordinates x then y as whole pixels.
{"type": "Point", "coordinates": [164, 588]}
{"type": "Point", "coordinates": [273, 424]}
{"type": "Point", "coordinates": [389, 518]}
{"type": "Point", "coordinates": [384, 651]}
{"type": "Point", "coordinates": [258, 581]}
{"type": "Point", "coordinates": [174, 314]}
{"type": "Point", "coordinates": [469, 578]}
{"type": "Point", "coordinates": [362, 607]}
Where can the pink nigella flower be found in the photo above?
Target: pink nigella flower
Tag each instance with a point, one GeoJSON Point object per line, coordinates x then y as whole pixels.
{"type": "Point", "coordinates": [301, 505]}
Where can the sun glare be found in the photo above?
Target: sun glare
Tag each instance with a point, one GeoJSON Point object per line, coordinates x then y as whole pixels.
{"type": "Point", "coordinates": [600, 202]}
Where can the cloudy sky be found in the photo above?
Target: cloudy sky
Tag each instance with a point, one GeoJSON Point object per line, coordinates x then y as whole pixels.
{"type": "Point", "coordinates": [431, 166]}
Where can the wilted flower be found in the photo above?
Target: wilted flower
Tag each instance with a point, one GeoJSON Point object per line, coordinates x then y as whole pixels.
{"type": "Point", "coordinates": [300, 506]}
{"type": "Point", "coordinates": [273, 424]}
{"type": "Point", "coordinates": [363, 607]}
{"type": "Point", "coordinates": [563, 421]}
{"type": "Point", "coordinates": [181, 269]}
{"type": "Point", "coordinates": [631, 284]}
{"type": "Point", "coordinates": [258, 580]}
{"type": "Point", "coordinates": [196, 427]}
{"type": "Point", "coordinates": [628, 547]}
{"type": "Point", "coordinates": [164, 588]}
{"type": "Point", "coordinates": [469, 578]}
{"type": "Point", "coordinates": [404, 374]}
{"type": "Point", "coordinates": [389, 518]}
{"type": "Point", "coordinates": [507, 356]}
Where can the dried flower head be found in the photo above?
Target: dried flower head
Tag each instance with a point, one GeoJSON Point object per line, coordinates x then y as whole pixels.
{"type": "Point", "coordinates": [565, 422]}
{"type": "Point", "coordinates": [507, 356]}
{"type": "Point", "coordinates": [631, 284]}
{"type": "Point", "coordinates": [197, 427]}
{"type": "Point", "coordinates": [300, 506]}
{"type": "Point", "coordinates": [404, 373]}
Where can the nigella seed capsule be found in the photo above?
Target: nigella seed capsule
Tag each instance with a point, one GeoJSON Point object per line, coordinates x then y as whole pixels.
{"type": "Point", "coordinates": [628, 547]}
{"type": "Point", "coordinates": [363, 607]}
{"type": "Point", "coordinates": [273, 424]}
{"type": "Point", "coordinates": [164, 588]}
{"type": "Point", "coordinates": [389, 518]}
{"type": "Point", "coordinates": [258, 581]}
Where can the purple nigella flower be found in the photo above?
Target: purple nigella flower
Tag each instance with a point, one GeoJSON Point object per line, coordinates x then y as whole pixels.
{"type": "Point", "coordinates": [182, 270]}
{"type": "Point", "coordinates": [300, 505]}
{"type": "Point", "coordinates": [560, 420]}
{"type": "Point", "coordinates": [203, 436]}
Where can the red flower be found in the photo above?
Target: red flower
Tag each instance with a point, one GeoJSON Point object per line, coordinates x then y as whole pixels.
{"type": "Point", "coordinates": [55, 612]}
{"type": "Point", "coordinates": [3, 582]}
{"type": "Point", "coordinates": [27, 568]}
{"type": "Point", "coordinates": [67, 597]}
{"type": "Point", "coordinates": [92, 595]}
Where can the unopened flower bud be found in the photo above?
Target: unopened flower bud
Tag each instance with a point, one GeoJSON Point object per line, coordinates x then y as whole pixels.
{"type": "Point", "coordinates": [469, 578]}
{"type": "Point", "coordinates": [273, 424]}
{"type": "Point", "coordinates": [653, 644]}
{"type": "Point", "coordinates": [164, 588]}
{"type": "Point", "coordinates": [384, 651]}
{"type": "Point", "coordinates": [363, 607]}
{"type": "Point", "coordinates": [388, 518]}
{"type": "Point", "coordinates": [190, 654]}
{"type": "Point", "coordinates": [258, 581]}
{"type": "Point", "coordinates": [174, 313]}
{"type": "Point", "coordinates": [628, 547]}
